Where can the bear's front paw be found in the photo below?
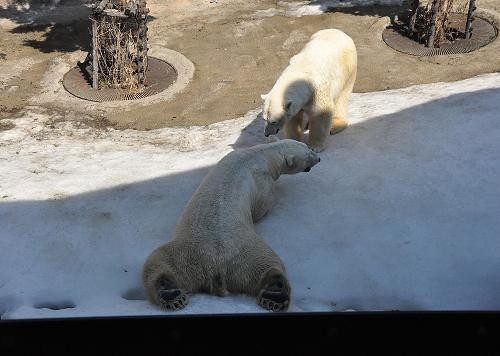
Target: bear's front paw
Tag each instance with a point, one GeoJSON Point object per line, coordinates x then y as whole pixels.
{"type": "Point", "coordinates": [338, 125]}
{"type": "Point", "coordinates": [172, 299]}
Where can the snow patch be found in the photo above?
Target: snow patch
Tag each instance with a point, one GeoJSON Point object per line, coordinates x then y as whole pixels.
{"type": "Point", "coordinates": [401, 213]}
{"type": "Point", "coordinates": [8, 303]}
{"type": "Point", "coordinates": [308, 8]}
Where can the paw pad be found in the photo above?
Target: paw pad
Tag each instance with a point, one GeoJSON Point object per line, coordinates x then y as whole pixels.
{"type": "Point", "coordinates": [274, 301]}
{"type": "Point", "coordinates": [173, 299]}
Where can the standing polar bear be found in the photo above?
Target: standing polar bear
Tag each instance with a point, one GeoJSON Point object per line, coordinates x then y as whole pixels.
{"type": "Point", "coordinates": [215, 248]}
{"type": "Point", "coordinates": [317, 82]}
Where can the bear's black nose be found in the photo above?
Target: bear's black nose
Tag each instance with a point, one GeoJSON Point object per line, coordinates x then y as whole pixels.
{"type": "Point", "coordinates": [266, 134]}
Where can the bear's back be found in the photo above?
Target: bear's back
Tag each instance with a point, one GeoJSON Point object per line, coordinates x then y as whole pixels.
{"type": "Point", "coordinates": [325, 47]}
{"type": "Point", "coordinates": [325, 58]}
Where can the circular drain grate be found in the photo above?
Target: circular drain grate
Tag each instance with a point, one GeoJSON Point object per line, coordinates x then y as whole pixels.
{"type": "Point", "coordinates": [483, 33]}
{"type": "Point", "coordinates": [159, 76]}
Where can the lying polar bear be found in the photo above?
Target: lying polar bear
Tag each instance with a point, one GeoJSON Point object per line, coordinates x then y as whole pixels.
{"type": "Point", "coordinates": [317, 82]}
{"type": "Point", "coordinates": [215, 248]}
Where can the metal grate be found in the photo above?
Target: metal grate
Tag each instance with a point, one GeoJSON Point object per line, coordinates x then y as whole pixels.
{"type": "Point", "coordinates": [159, 76]}
{"type": "Point", "coordinates": [484, 33]}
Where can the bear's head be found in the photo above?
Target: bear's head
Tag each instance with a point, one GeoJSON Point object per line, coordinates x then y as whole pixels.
{"type": "Point", "coordinates": [276, 113]}
{"type": "Point", "coordinates": [297, 156]}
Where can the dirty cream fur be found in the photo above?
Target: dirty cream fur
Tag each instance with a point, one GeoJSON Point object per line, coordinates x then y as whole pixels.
{"type": "Point", "coordinates": [215, 248]}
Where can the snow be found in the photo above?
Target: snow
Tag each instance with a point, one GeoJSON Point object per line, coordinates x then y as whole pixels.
{"type": "Point", "coordinates": [402, 213]}
{"type": "Point", "coordinates": [317, 7]}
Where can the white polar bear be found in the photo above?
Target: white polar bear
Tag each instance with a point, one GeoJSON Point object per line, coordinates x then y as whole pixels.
{"type": "Point", "coordinates": [215, 248]}
{"type": "Point", "coordinates": [317, 82]}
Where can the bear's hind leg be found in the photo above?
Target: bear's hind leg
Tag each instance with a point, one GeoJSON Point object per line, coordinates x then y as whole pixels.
{"type": "Point", "coordinates": [339, 119]}
{"type": "Point", "coordinates": [274, 293]}
{"type": "Point", "coordinates": [169, 295]}
{"type": "Point", "coordinates": [257, 271]}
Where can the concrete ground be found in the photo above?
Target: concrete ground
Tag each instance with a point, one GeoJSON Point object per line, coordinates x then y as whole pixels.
{"type": "Point", "coordinates": [237, 55]}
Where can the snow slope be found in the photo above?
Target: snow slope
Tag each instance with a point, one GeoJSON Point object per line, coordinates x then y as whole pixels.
{"type": "Point", "coordinates": [401, 213]}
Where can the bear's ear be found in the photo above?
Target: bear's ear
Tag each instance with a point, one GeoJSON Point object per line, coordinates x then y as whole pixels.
{"type": "Point", "coordinates": [288, 106]}
{"type": "Point", "coordinates": [289, 161]}
{"type": "Point", "coordinates": [263, 96]}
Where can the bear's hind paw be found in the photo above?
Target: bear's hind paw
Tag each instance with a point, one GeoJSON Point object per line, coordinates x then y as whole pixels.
{"type": "Point", "coordinates": [274, 301]}
{"type": "Point", "coordinates": [275, 291]}
{"type": "Point", "coordinates": [172, 299]}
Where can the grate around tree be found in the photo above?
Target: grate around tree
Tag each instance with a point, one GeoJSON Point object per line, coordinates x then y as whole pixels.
{"type": "Point", "coordinates": [433, 27]}
{"type": "Point", "coordinates": [118, 66]}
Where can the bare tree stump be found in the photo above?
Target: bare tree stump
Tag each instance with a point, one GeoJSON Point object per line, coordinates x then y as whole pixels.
{"type": "Point", "coordinates": [119, 44]}
{"type": "Point", "coordinates": [434, 22]}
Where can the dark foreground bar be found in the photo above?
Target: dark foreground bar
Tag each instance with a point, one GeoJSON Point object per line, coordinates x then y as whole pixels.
{"type": "Point", "coordinates": [291, 333]}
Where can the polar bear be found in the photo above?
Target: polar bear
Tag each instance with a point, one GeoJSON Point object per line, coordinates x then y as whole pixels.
{"type": "Point", "coordinates": [317, 82]}
{"type": "Point", "coordinates": [215, 248]}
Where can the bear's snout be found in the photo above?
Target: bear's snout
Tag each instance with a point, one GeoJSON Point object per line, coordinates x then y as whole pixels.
{"type": "Point", "coordinates": [315, 160]}
{"type": "Point", "coordinates": [271, 128]}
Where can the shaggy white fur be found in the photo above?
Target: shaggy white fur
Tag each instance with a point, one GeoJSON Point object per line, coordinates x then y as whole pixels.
{"type": "Point", "coordinates": [317, 82]}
